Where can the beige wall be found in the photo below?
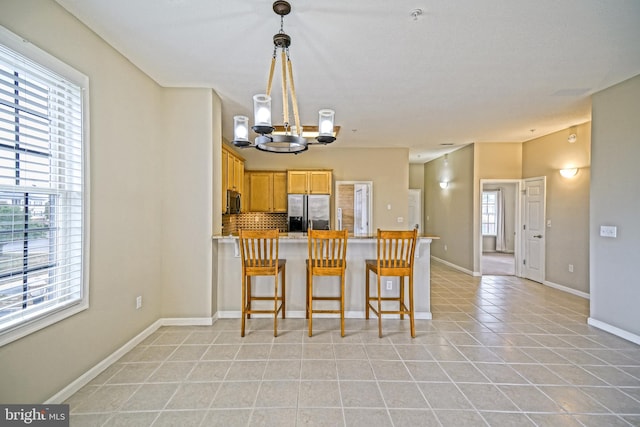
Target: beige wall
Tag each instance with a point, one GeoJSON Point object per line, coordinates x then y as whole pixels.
{"type": "Point", "coordinates": [416, 176]}
{"type": "Point", "coordinates": [493, 160]}
{"type": "Point", "coordinates": [151, 207]}
{"type": "Point", "coordinates": [388, 168]}
{"type": "Point", "coordinates": [615, 201]}
{"type": "Point", "coordinates": [567, 239]}
{"type": "Point", "coordinates": [499, 160]}
{"type": "Point", "coordinates": [449, 213]}
{"type": "Point", "coordinates": [187, 195]}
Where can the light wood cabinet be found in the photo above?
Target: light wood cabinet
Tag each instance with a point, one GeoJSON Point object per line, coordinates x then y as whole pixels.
{"type": "Point", "coordinates": [280, 192]}
{"type": "Point", "coordinates": [309, 181]}
{"type": "Point", "coordinates": [266, 191]}
{"type": "Point", "coordinates": [232, 174]}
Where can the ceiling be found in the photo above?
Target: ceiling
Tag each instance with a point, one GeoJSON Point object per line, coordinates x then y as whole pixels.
{"type": "Point", "coordinates": [464, 71]}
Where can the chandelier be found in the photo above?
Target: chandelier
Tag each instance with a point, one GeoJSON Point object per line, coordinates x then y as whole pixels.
{"type": "Point", "coordinates": [287, 138]}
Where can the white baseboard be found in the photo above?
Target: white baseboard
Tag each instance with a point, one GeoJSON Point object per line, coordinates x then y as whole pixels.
{"type": "Point", "coordinates": [96, 370]}
{"type": "Point", "coordinates": [456, 267]}
{"type": "Point", "coordinates": [614, 330]}
{"type": "Point", "coordinates": [566, 289]}
{"type": "Point", "coordinates": [232, 314]}
{"type": "Point", "coordinates": [188, 321]}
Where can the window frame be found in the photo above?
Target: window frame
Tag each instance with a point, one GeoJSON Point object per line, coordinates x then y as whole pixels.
{"type": "Point", "coordinates": [62, 311]}
{"type": "Point", "coordinates": [484, 212]}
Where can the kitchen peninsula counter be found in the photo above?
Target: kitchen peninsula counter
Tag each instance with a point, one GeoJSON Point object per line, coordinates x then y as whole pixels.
{"type": "Point", "coordinates": [293, 248]}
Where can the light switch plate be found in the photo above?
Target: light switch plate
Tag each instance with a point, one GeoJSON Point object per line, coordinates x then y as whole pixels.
{"type": "Point", "coordinates": [608, 231]}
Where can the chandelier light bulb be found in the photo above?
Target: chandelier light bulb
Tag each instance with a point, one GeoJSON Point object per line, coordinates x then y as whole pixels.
{"type": "Point", "coordinates": [325, 122]}
{"type": "Point", "coordinates": [263, 116]}
{"type": "Point", "coordinates": [241, 132]}
{"type": "Point", "coordinates": [262, 110]}
{"type": "Point", "coordinates": [326, 127]}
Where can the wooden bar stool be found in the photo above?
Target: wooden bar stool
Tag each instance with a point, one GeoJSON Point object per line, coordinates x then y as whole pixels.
{"type": "Point", "coordinates": [327, 257]}
{"type": "Point", "coordinates": [259, 253]}
{"type": "Point", "coordinates": [395, 258]}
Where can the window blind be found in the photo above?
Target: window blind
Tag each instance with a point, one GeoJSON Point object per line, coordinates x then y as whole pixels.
{"type": "Point", "coordinates": [41, 192]}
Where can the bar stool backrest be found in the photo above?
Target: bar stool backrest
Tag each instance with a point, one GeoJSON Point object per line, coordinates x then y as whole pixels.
{"type": "Point", "coordinates": [396, 250]}
{"type": "Point", "coordinates": [259, 250]}
{"type": "Point", "coordinates": [327, 249]}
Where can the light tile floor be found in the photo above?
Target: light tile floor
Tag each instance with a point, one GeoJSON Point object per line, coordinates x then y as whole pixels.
{"type": "Point", "coordinates": [500, 351]}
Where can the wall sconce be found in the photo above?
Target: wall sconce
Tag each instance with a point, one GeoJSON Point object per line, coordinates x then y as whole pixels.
{"type": "Point", "coordinates": [444, 184]}
{"type": "Point", "coordinates": [573, 137]}
{"type": "Point", "coordinates": [569, 172]}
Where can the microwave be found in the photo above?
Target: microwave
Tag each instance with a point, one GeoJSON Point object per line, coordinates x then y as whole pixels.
{"type": "Point", "coordinates": [233, 202]}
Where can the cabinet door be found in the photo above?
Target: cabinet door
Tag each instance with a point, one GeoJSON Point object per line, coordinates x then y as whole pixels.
{"type": "Point", "coordinates": [261, 193]}
{"type": "Point", "coordinates": [319, 182]}
{"type": "Point", "coordinates": [230, 171]}
{"type": "Point", "coordinates": [225, 172]}
{"type": "Point", "coordinates": [297, 182]}
{"type": "Point", "coordinates": [238, 174]}
{"type": "Point", "coordinates": [245, 206]}
{"type": "Point", "coordinates": [279, 192]}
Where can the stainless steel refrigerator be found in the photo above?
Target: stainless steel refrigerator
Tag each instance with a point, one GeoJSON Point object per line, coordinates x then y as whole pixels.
{"type": "Point", "coordinates": [308, 211]}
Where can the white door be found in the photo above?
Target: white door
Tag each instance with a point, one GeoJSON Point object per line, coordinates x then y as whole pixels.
{"type": "Point", "coordinates": [533, 229]}
{"type": "Point", "coordinates": [415, 209]}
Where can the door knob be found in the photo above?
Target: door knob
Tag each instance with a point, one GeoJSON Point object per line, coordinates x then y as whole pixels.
{"type": "Point", "coordinates": [538, 236]}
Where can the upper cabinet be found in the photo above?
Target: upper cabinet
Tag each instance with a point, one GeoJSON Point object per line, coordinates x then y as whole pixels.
{"type": "Point", "coordinates": [309, 181]}
{"type": "Point", "coordinates": [266, 191]}
{"type": "Point", "coordinates": [232, 174]}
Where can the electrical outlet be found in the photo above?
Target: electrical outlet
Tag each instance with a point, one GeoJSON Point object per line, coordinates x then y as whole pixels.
{"type": "Point", "coordinates": [570, 268]}
{"type": "Point", "coordinates": [608, 231]}
{"type": "Point", "coordinates": [389, 285]}
{"type": "Point", "coordinates": [445, 248]}
{"type": "Point", "coordinates": [139, 302]}
{"type": "Point", "coordinates": [400, 220]}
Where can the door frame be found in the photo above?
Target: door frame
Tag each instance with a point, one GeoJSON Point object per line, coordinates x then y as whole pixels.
{"type": "Point", "coordinates": [517, 241]}
{"type": "Point", "coordinates": [369, 185]}
{"type": "Point", "coordinates": [420, 205]}
{"type": "Point", "coordinates": [543, 259]}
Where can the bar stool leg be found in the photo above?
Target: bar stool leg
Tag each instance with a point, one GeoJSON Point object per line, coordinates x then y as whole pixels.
{"type": "Point", "coordinates": [411, 309]}
{"type": "Point", "coordinates": [308, 280]}
{"type": "Point", "coordinates": [310, 301]}
{"type": "Point", "coordinates": [275, 305]}
{"type": "Point", "coordinates": [342, 305]}
{"type": "Point", "coordinates": [400, 309]}
{"type": "Point", "coordinates": [379, 308]}
{"type": "Point", "coordinates": [248, 302]}
{"type": "Point", "coordinates": [366, 294]}
{"type": "Point", "coordinates": [244, 304]}
{"type": "Point", "coordinates": [283, 296]}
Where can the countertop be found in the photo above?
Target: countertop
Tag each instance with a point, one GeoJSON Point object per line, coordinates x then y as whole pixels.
{"type": "Point", "coordinates": [303, 236]}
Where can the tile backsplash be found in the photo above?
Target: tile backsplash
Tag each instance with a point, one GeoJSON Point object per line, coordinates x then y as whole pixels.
{"type": "Point", "coordinates": [253, 221]}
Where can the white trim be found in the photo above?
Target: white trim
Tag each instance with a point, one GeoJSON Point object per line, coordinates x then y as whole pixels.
{"type": "Point", "coordinates": [51, 63]}
{"type": "Point", "coordinates": [96, 370]}
{"type": "Point", "coordinates": [85, 378]}
{"type": "Point", "coordinates": [614, 330]}
{"type": "Point", "coordinates": [517, 245]}
{"type": "Point", "coordinates": [188, 321]}
{"type": "Point", "coordinates": [233, 314]}
{"type": "Point", "coordinates": [567, 289]}
{"type": "Point", "coordinates": [457, 267]}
